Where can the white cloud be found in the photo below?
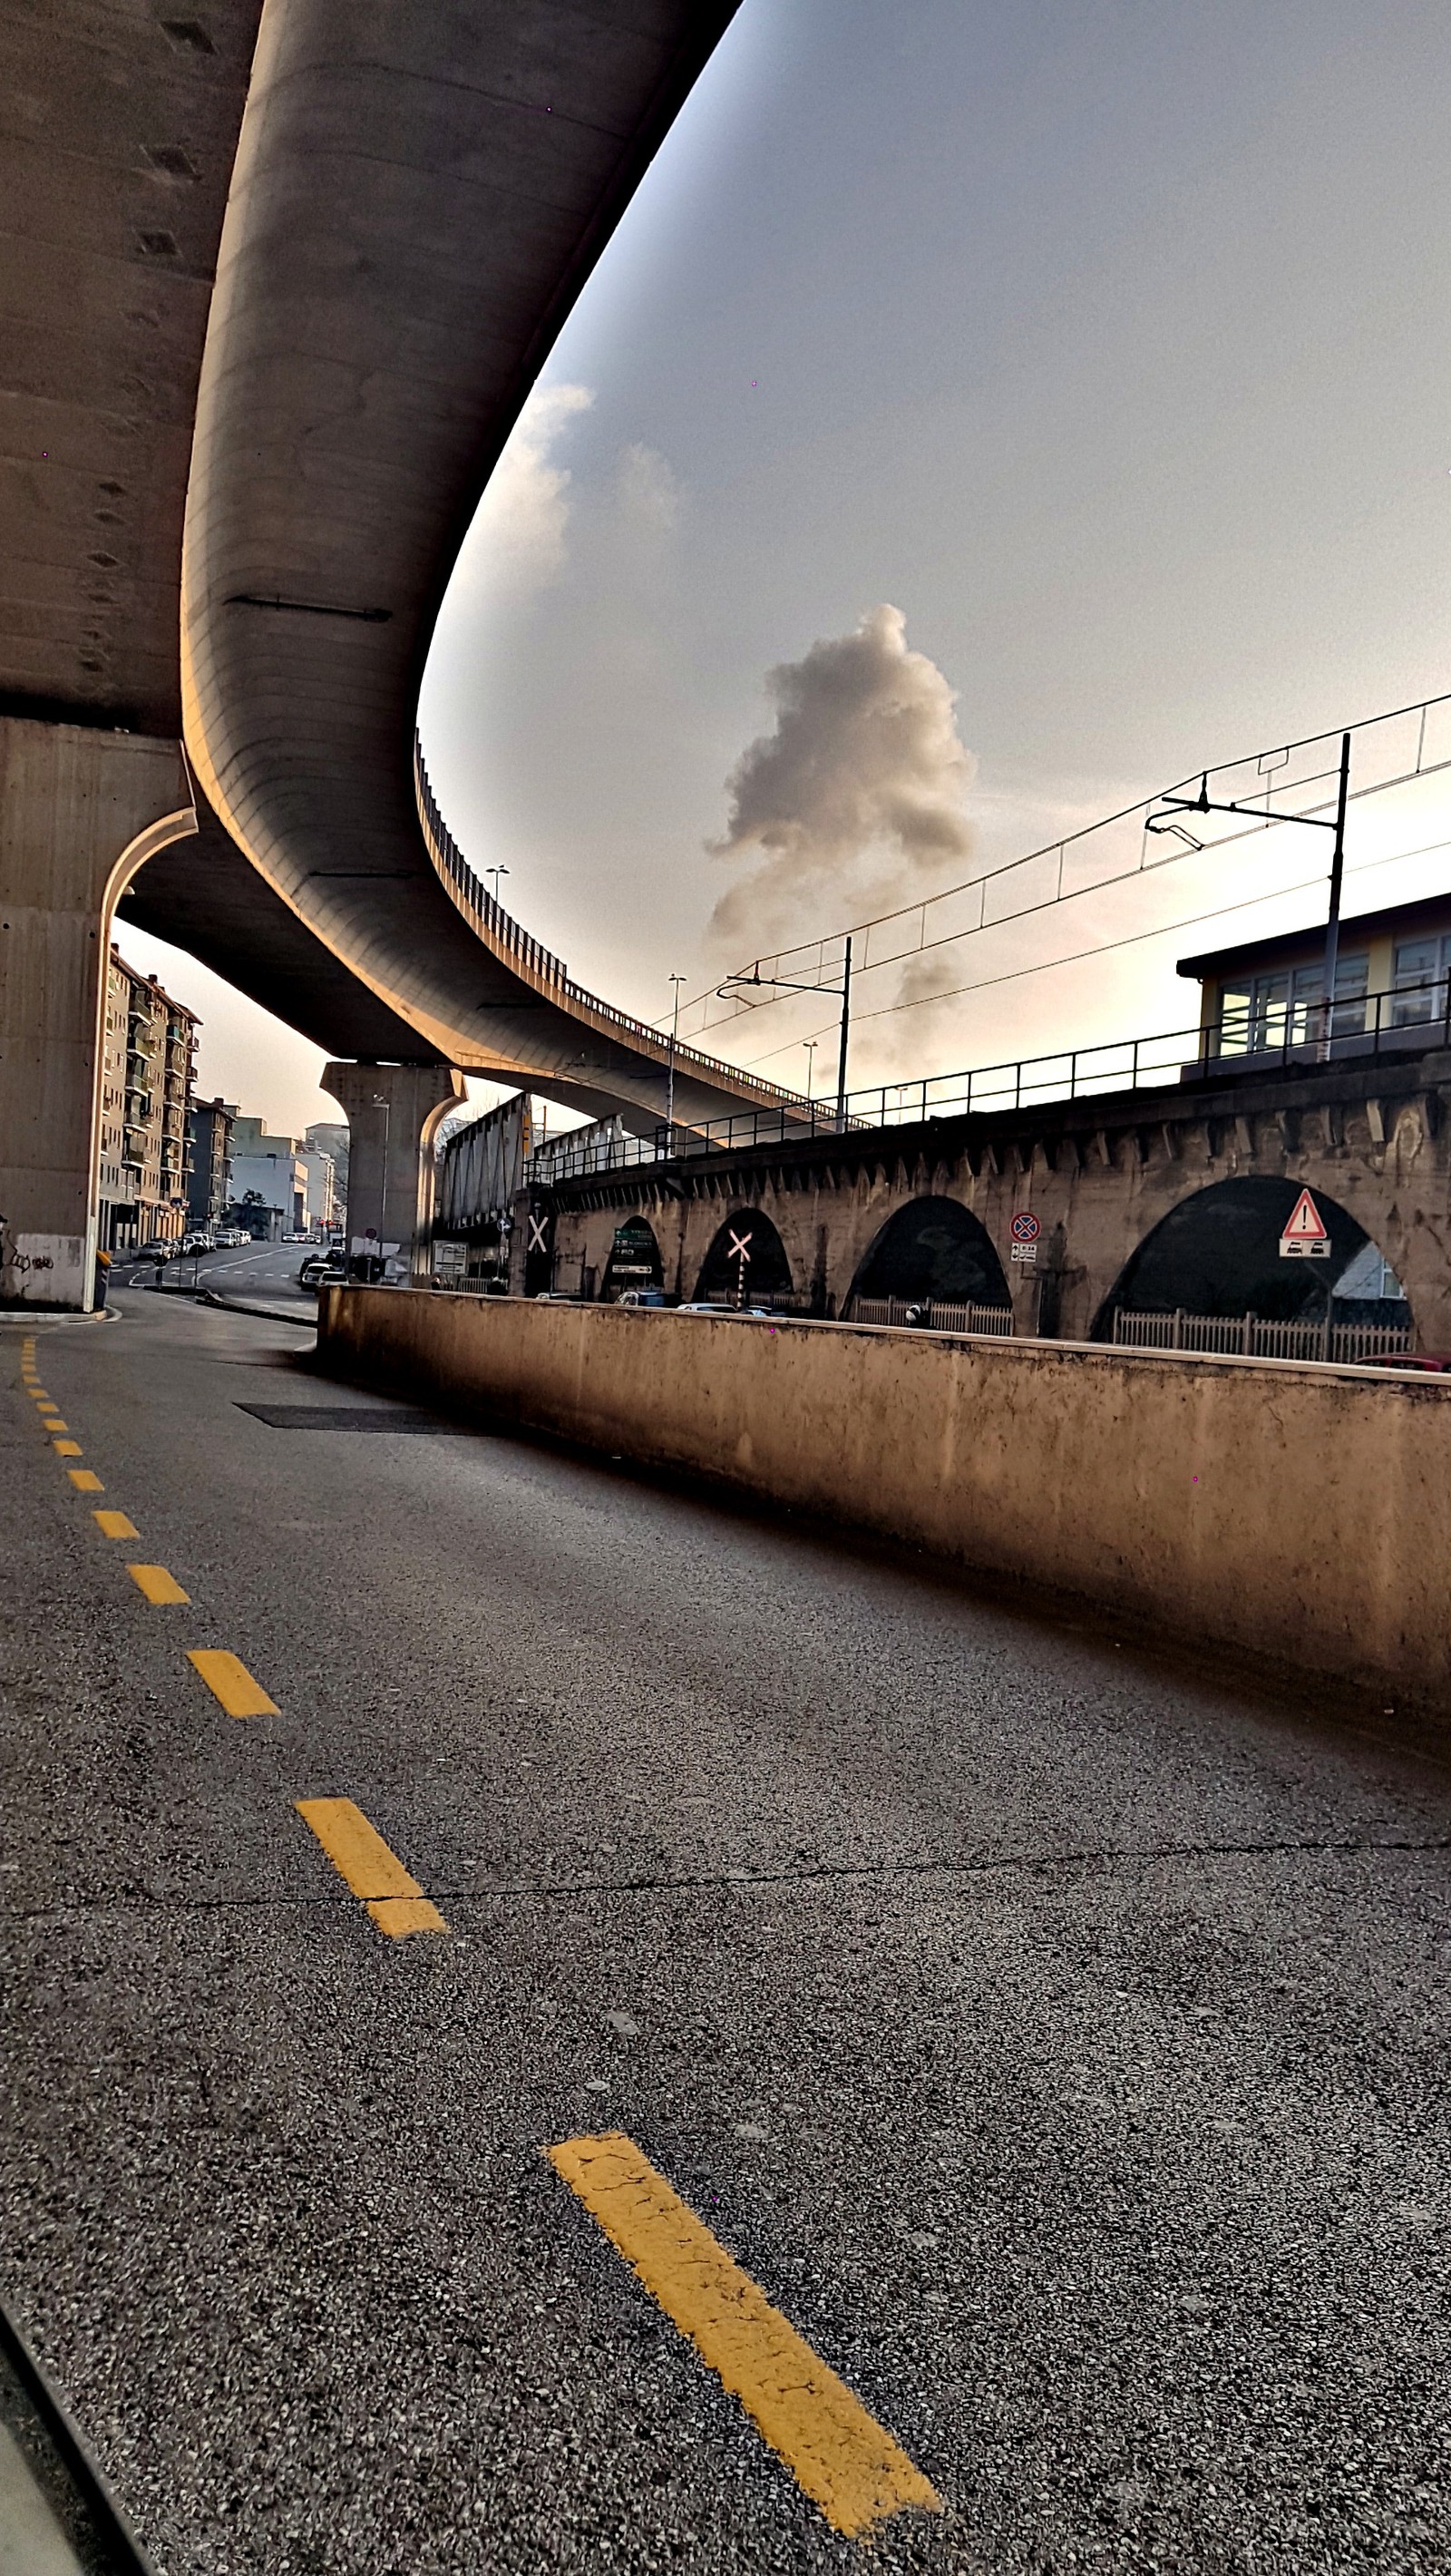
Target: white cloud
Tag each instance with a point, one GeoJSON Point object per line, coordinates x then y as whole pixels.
{"type": "Point", "coordinates": [517, 542]}
{"type": "Point", "coordinates": [647, 491]}
{"type": "Point", "coordinates": [856, 802]}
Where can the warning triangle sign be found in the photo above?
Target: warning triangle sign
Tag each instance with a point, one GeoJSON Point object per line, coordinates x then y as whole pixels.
{"type": "Point", "coordinates": [1306, 1224]}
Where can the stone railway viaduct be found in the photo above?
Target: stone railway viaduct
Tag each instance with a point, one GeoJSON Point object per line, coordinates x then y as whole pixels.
{"type": "Point", "coordinates": [1099, 1173]}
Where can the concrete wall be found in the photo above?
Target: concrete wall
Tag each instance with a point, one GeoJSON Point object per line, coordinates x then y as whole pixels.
{"type": "Point", "coordinates": [1301, 1513]}
{"type": "Point", "coordinates": [80, 812]}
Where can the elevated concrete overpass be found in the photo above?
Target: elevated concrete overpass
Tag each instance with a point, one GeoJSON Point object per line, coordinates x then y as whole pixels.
{"type": "Point", "coordinates": [276, 282]}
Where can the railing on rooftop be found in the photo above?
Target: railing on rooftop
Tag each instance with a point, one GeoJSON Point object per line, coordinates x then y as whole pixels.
{"type": "Point", "coordinates": [1257, 1039]}
{"type": "Point", "coordinates": [509, 939]}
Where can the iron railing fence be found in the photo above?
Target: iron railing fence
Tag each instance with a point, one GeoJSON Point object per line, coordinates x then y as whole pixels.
{"type": "Point", "coordinates": [932, 1314]}
{"type": "Point", "coordinates": [1400, 1020]}
{"type": "Point", "coordinates": [501, 931]}
{"type": "Point", "coordinates": [1261, 1337]}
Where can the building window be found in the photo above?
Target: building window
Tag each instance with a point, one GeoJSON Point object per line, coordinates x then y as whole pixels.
{"type": "Point", "coordinates": [1419, 981]}
{"type": "Point", "coordinates": [1261, 1014]}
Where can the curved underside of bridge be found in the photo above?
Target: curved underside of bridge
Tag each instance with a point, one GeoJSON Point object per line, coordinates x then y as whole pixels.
{"type": "Point", "coordinates": [419, 195]}
{"type": "Point", "coordinates": [337, 245]}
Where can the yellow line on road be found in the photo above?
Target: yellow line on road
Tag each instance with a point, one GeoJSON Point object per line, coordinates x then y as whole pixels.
{"type": "Point", "coordinates": [43, 1401]}
{"type": "Point", "coordinates": [85, 1480]}
{"type": "Point", "coordinates": [156, 1583]}
{"type": "Point", "coordinates": [67, 1448]}
{"type": "Point", "coordinates": [228, 1680]}
{"type": "Point", "coordinates": [835, 2450]}
{"type": "Point", "coordinates": [359, 1854]}
{"type": "Point", "coordinates": [116, 1525]}
{"type": "Point", "coordinates": [53, 1423]}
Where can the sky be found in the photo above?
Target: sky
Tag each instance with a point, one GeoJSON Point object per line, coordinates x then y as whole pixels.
{"type": "Point", "coordinates": [1055, 401]}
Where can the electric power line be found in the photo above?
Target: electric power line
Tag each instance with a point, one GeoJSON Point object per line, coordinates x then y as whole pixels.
{"type": "Point", "coordinates": [1131, 939]}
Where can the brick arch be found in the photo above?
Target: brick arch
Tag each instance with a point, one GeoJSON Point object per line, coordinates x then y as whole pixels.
{"type": "Point", "coordinates": [932, 1248]}
{"type": "Point", "coordinates": [1215, 1251]}
{"type": "Point", "coordinates": [766, 1274]}
{"type": "Point", "coordinates": [634, 1259]}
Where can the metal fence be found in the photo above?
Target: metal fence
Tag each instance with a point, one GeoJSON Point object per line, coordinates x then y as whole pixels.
{"type": "Point", "coordinates": [928, 1314]}
{"type": "Point", "coordinates": [1367, 1027]}
{"type": "Point", "coordinates": [1260, 1337]}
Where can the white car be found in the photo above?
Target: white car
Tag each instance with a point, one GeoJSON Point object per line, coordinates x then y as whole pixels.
{"type": "Point", "coordinates": [730, 1314]}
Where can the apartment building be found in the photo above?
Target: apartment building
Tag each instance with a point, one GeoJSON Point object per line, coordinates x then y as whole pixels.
{"type": "Point", "coordinates": [148, 1073]}
{"type": "Point", "coordinates": [324, 1206]}
{"type": "Point", "coordinates": [209, 1189]}
{"type": "Point", "coordinates": [269, 1181]}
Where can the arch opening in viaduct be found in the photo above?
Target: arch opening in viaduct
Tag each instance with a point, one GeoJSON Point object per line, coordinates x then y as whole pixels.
{"type": "Point", "coordinates": [635, 1260]}
{"type": "Point", "coordinates": [1218, 1253]}
{"type": "Point", "coordinates": [934, 1251]}
{"type": "Point", "coordinates": [729, 1278]}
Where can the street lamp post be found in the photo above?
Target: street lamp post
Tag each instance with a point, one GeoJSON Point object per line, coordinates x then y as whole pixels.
{"type": "Point", "coordinates": [677, 981]}
{"type": "Point", "coordinates": [1203, 803]}
{"type": "Point", "coordinates": [496, 873]}
{"type": "Point", "coordinates": [780, 984]}
{"type": "Point", "coordinates": [381, 1101]}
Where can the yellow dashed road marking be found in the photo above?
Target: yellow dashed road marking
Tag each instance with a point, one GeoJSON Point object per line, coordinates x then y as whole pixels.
{"type": "Point", "coordinates": [116, 1525]}
{"type": "Point", "coordinates": [53, 1423]}
{"type": "Point", "coordinates": [359, 1854]}
{"type": "Point", "coordinates": [85, 1480]}
{"type": "Point", "coordinates": [156, 1583]}
{"type": "Point", "coordinates": [43, 1401]}
{"type": "Point", "coordinates": [835, 2450]}
{"type": "Point", "coordinates": [67, 1448]}
{"type": "Point", "coordinates": [228, 1679]}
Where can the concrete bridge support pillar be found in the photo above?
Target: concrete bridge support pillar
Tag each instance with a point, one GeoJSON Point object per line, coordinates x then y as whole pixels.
{"type": "Point", "coordinates": [80, 812]}
{"type": "Point", "coordinates": [393, 1113]}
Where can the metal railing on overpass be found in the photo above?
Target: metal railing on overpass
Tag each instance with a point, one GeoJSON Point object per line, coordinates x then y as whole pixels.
{"type": "Point", "coordinates": [1398, 1021]}
{"type": "Point", "coordinates": [510, 940]}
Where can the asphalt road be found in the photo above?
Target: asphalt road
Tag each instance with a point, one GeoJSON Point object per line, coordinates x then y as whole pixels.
{"type": "Point", "coordinates": [264, 1271]}
{"type": "Point", "coordinates": [1054, 2034]}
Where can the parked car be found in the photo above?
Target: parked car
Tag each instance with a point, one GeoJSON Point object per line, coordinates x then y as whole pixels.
{"type": "Point", "coordinates": [320, 1268]}
{"type": "Point", "coordinates": [651, 1297]}
{"type": "Point", "coordinates": [155, 1250]}
{"type": "Point", "coordinates": [730, 1314]}
{"type": "Point", "coordinates": [1433, 1363]}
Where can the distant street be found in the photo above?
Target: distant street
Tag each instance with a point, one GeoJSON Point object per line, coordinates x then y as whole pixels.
{"type": "Point", "coordinates": [263, 1270]}
{"type": "Point", "coordinates": [1052, 2033]}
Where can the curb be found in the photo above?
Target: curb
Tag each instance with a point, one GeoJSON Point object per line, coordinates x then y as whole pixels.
{"type": "Point", "coordinates": [272, 1314]}
{"type": "Point", "coordinates": [29, 1317]}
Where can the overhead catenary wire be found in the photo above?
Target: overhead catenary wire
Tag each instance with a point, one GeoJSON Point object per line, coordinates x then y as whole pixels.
{"type": "Point", "coordinates": [1267, 767]}
{"type": "Point", "coordinates": [1105, 948]}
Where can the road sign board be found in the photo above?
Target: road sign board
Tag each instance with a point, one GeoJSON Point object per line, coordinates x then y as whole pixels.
{"type": "Point", "coordinates": [1026, 1227]}
{"type": "Point", "coordinates": [1306, 1236]}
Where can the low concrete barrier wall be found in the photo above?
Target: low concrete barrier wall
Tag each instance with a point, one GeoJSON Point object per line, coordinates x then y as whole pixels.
{"type": "Point", "coordinates": [1301, 1513]}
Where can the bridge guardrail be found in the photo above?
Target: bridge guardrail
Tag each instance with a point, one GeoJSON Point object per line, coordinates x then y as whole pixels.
{"type": "Point", "coordinates": [508, 938]}
{"type": "Point", "coordinates": [1397, 1021]}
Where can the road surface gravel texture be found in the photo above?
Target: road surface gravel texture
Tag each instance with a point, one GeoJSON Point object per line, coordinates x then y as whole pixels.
{"type": "Point", "coordinates": [1052, 2032]}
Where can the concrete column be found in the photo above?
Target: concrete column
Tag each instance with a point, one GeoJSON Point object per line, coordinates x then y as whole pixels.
{"type": "Point", "coordinates": [393, 1112]}
{"type": "Point", "coordinates": [80, 812]}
